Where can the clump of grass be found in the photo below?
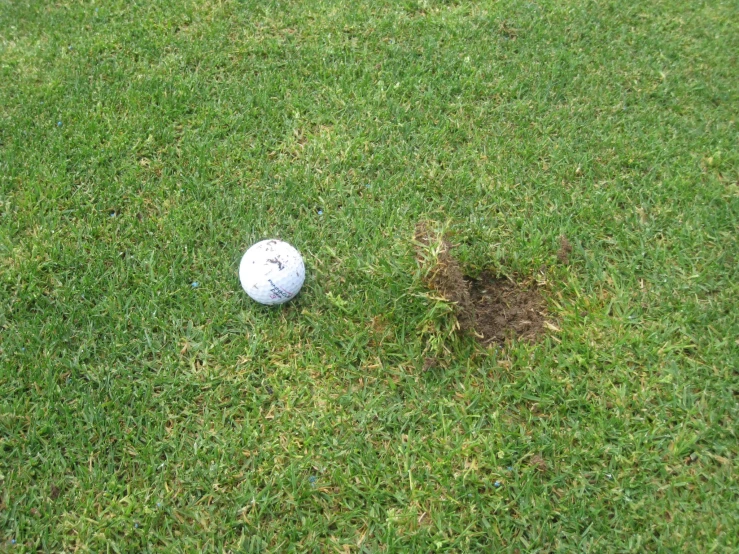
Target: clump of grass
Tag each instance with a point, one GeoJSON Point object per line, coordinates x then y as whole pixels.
{"type": "Point", "coordinates": [443, 274]}
{"type": "Point", "coordinates": [448, 296]}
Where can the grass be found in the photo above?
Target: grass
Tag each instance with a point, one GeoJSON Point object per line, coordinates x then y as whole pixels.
{"type": "Point", "coordinates": [145, 145]}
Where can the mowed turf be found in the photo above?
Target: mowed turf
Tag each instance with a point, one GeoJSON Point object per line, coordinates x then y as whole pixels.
{"type": "Point", "coordinates": [147, 405]}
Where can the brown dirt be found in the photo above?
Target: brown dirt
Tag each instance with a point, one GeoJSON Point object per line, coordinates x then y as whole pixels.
{"type": "Point", "coordinates": [506, 309]}
{"type": "Point", "coordinates": [446, 277]}
{"type": "Point", "coordinates": [492, 308]}
{"type": "Point", "coordinates": [564, 250]}
{"type": "Point", "coordinates": [538, 462]}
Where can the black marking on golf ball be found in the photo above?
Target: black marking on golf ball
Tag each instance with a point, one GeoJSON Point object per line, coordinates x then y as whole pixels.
{"type": "Point", "coordinates": [280, 265]}
{"type": "Point", "coordinates": [278, 292]}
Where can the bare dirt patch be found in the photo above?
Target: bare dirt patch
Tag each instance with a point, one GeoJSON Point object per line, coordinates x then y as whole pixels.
{"type": "Point", "coordinates": [565, 248]}
{"type": "Point", "coordinates": [538, 462]}
{"type": "Point", "coordinates": [491, 307]}
{"type": "Point", "coordinates": [446, 277]}
{"type": "Point", "coordinates": [506, 309]}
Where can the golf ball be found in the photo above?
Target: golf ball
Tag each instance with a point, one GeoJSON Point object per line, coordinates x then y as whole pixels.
{"type": "Point", "coordinates": [272, 272]}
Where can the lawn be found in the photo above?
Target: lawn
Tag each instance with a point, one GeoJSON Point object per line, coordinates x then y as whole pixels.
{"type": "Point", "coordinates": [148, 405]}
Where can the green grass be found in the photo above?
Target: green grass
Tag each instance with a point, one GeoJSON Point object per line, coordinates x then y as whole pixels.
{"type": "Point", "coordinates": [145, 145]}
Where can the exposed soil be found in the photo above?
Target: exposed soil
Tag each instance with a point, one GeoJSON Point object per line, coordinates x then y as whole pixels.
{"type": "Point", "coordinates": [563, 254]}
{"type": "Point", "coordinates": [492, 308]}
{"type": "Point", "coordinates": [446, 277]}
{"type": "Point", "coordinates": [506, 309]}
{"type": "Point", "coordinates": [538, 462]}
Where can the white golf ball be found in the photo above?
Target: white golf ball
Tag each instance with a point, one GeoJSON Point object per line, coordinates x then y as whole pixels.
{"type": "Point", "coordinates": [272, 272]}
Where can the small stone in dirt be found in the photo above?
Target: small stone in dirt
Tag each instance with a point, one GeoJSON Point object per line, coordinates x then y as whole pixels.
{"type": "Point", "coordinates": [691, 459]}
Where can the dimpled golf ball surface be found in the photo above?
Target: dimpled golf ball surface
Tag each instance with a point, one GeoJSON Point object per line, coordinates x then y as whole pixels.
{"type": "Point", "coordinates": [272, 272]}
